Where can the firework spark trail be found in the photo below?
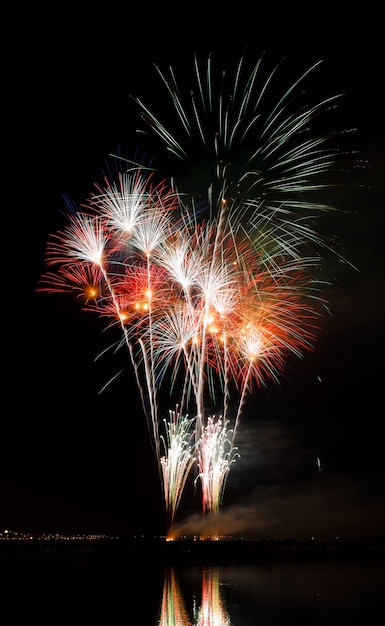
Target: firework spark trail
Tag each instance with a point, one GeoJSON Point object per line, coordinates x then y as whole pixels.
{"type": "Point", "coordinates": [94, 242]}
{"type": "Point", "coordinates": [142, 213]}
{"type": "Point", "coordinates": [210, 302]}
{"type": "Point", "coordinates": [177, 461]}
{"type": "Point", "coordinates": [215, 455]}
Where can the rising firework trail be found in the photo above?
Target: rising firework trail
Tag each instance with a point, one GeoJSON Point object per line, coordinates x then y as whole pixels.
{"type": "Point", "coordinates": [211, 292]}
{"type": "Point", "coordinates": [177, 460]}
{"type": "Point", "coordinates": [215, 455]}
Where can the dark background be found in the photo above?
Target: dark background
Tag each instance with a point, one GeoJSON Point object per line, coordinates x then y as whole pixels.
{"type": "Point", "coordinates": [72, 460]}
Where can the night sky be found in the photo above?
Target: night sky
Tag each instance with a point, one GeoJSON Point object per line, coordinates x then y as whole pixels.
{"type": "Point", "coordinates": [74, 460]}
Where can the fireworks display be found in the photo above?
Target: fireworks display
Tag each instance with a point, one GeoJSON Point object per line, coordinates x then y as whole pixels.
{"type": "Point", "coordinates": [212, 277]}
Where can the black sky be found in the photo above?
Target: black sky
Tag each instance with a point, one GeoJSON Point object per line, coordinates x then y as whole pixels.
{"type": "Point", "coordinates": [73, 460]}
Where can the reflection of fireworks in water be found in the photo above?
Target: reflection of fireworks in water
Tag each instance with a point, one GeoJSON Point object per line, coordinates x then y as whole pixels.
{"type": "Point", "coordinates": [212, 611]}
{"type": "Point", "coordinates": [210, 306]}
{"type": "Point", "coordinates": [172, 610]}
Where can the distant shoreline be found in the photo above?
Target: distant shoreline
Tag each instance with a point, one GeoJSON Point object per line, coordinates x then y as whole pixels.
{"type": "Point", "coordinates": [189, 552]}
